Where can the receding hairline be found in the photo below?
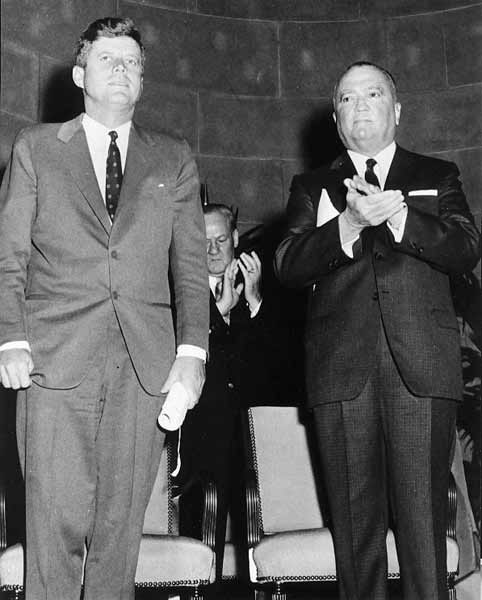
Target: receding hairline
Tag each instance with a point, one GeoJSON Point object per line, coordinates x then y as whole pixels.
{"type": "Point", "coordinates": [359, 64]}
{"type": "Point", "coordinates": [224, 210]}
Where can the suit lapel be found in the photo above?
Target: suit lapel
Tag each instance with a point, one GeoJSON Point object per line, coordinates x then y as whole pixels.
{"type": "Point", "coordinates": [217, 323]}
{"type": "Point", "coordinates": [340, 169]}
{"type": "Point", "coordinates": [76, 156]}
{"type": "Point", "coordinates": [138, 161]}
{"type": "Point", "coordinates": [400, 169]}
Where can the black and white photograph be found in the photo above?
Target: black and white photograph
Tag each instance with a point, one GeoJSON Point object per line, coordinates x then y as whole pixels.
{"type": "Point", "coordinates": [240, 299]}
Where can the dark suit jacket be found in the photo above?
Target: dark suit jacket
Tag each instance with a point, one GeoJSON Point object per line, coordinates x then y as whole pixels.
{"type": "Point", "coordinates": [65, 268]}
{"type": "Point", "coordinates": [405, 284]}
{"type": "Point", "coordinates": [240, 371]}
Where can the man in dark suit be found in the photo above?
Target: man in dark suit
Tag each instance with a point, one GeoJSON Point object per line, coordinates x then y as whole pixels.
{"type": "Point", "coordinates": [375, 242]}
{"type": "Point", "coordinates": [239, 372]}
{"type": "Point", "coordinates": [93, 214]}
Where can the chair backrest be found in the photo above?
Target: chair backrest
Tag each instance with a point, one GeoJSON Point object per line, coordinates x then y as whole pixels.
{"type": "Point", "coordinates": [162, 516]}
{"type": "Point", "coordinates": [281, 458]}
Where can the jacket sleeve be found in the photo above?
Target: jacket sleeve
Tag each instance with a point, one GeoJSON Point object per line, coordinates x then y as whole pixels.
{"type": "Point", "coordinates": [307, 252]}
{"type": "Point", "coordinates": [446, 238]}
{"type": "Point", "coordinates": [18, 201]}
{"type": "Point", "coordinates": [188, 257]}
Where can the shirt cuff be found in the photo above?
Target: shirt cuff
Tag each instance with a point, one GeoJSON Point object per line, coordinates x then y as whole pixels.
{"type": "Point", "coordinates": [347, 247]}
{"type": "Point", "coordinates": [189, 350]}
{"type": "Point", "coordinates": [400, 230]}
{"type": "Point", "coordinates": [254, 311]}
{"type": "Point", "coordinates": [24, 345]}
{"type": "Point", "coordinates": [345, 231]}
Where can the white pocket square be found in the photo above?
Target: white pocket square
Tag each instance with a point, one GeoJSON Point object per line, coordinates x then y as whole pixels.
{"type": "Point", "coordinates": [423, 193]}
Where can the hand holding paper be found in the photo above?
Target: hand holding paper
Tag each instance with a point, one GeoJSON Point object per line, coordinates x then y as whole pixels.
{"type": "Point", "coordinates": [174, 408]}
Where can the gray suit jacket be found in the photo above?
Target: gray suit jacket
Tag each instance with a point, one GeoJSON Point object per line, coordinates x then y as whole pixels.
{"type": "Point", "coordinates": [405, 285]}
{"type": "Point", "coordinates": [64, 267]}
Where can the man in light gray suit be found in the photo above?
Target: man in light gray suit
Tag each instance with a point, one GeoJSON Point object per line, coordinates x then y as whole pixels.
{"type": "Point", "coordinates": [86, 327]}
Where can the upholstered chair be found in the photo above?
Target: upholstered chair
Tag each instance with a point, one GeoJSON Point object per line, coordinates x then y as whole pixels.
{"type": "Point", "coordinates": [167, 561]}
{"type": "Point", "coordinates": [289, 542]}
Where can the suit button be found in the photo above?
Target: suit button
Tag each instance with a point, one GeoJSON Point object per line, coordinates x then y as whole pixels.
{"type": "Point", "coordinates": [114, 254]}
{"type": "Point", "coordinates": [420, 250]}
{"type": "Point", "coordinates": [375, 296]}
{"type": "Point", "coordinates": [231, 385]}
{"type": "Point", "coordinates": [115, 295]}
{"type": "Point", "coordinates": [378, 256]}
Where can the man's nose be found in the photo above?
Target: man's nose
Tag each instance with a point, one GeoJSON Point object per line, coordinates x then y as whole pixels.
{"type": "Point", "coordinates": [212, 248]}
{"type": "Point", "coordinates": [361, 103]}
{"type": "Point", "coordinates": [119, 65]}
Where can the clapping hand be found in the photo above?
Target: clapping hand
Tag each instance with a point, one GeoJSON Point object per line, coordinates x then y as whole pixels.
{"type": "Point", "coordinates": [250, 266]}
{"type": "Point", "coordinates": [230, 293]}
{"type": "Point", "coordinates": [368, 206]}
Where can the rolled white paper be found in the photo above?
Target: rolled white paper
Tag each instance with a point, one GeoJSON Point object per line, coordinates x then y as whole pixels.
{"type": "Point", "coordinates": [174, 408]}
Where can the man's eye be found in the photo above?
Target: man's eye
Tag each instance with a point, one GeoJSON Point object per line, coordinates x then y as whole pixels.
{"type": "Point", "coordinates": [375, 94]}
{"type": "Point", "coordinates": [104, 58]}
{"type": "Point", "coordinates": [346, 99]}
{"type": "Point", "coordinates": [133, 62]}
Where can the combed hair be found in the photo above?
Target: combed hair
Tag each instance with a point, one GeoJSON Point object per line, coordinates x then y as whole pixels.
{"type": "Point", "coordinates": [365, 63]}
{"type": "Point", "coordinates": [224, 210]}
{"type": "Point", "coordinates": [107, 27]}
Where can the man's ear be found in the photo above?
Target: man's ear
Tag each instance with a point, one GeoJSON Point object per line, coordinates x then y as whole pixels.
{"type": "Point", "coordinates": [334, 116]}
{"type": "Point", "coordinates": [398, 110]}
{"type": "Point", "coordinates": [235, 238]}
{"type": "Point", "coordinates": [78, 76]}
{"type": "Point", "coordinates": [141, 88]}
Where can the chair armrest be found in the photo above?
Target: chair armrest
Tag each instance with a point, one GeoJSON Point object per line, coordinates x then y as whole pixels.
{"type": "Point", "coordinates": [452, 508]}
{"type": "Point", "coordinates": [253, 510]}
{"type": "Point", "coordinates": [209, 513]}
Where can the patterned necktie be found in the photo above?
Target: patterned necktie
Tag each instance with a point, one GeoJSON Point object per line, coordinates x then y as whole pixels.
{"type": "Point", "coordinates": [370, 176]}
{"type": "Point", "coordinates": [113, 179]}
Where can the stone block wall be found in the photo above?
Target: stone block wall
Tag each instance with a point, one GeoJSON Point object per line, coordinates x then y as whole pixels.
{"type": "Point", "coordinates": [248, 82]}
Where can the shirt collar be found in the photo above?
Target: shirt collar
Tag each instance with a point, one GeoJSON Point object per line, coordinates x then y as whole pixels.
{"type": "Point", "coordinates": [94, 129]}
{"type": "Point", "coordinates": [383, 158]}
{"type": "Point", "coordinates": [212, 283]}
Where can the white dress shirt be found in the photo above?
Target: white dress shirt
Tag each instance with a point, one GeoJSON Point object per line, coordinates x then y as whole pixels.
{"type": "Point", "coordinates": [98, 141]}
{"type": "Point", "coordinates": [326, 210]}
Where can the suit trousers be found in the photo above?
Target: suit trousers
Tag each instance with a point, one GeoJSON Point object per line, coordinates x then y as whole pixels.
{"type": "Point", "coordinates": [387, 448]}
{"type": "Point", "coordinates": [90, 457]}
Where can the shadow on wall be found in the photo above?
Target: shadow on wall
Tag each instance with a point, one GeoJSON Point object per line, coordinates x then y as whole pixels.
{"type": "Point", "coordinates": [62, 99]}
{"type": "Point", "coordinates": [319, 141]}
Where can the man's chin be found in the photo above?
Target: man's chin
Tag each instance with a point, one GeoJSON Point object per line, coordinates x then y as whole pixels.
{"type": "Point", "coordinates": [216, 271]}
